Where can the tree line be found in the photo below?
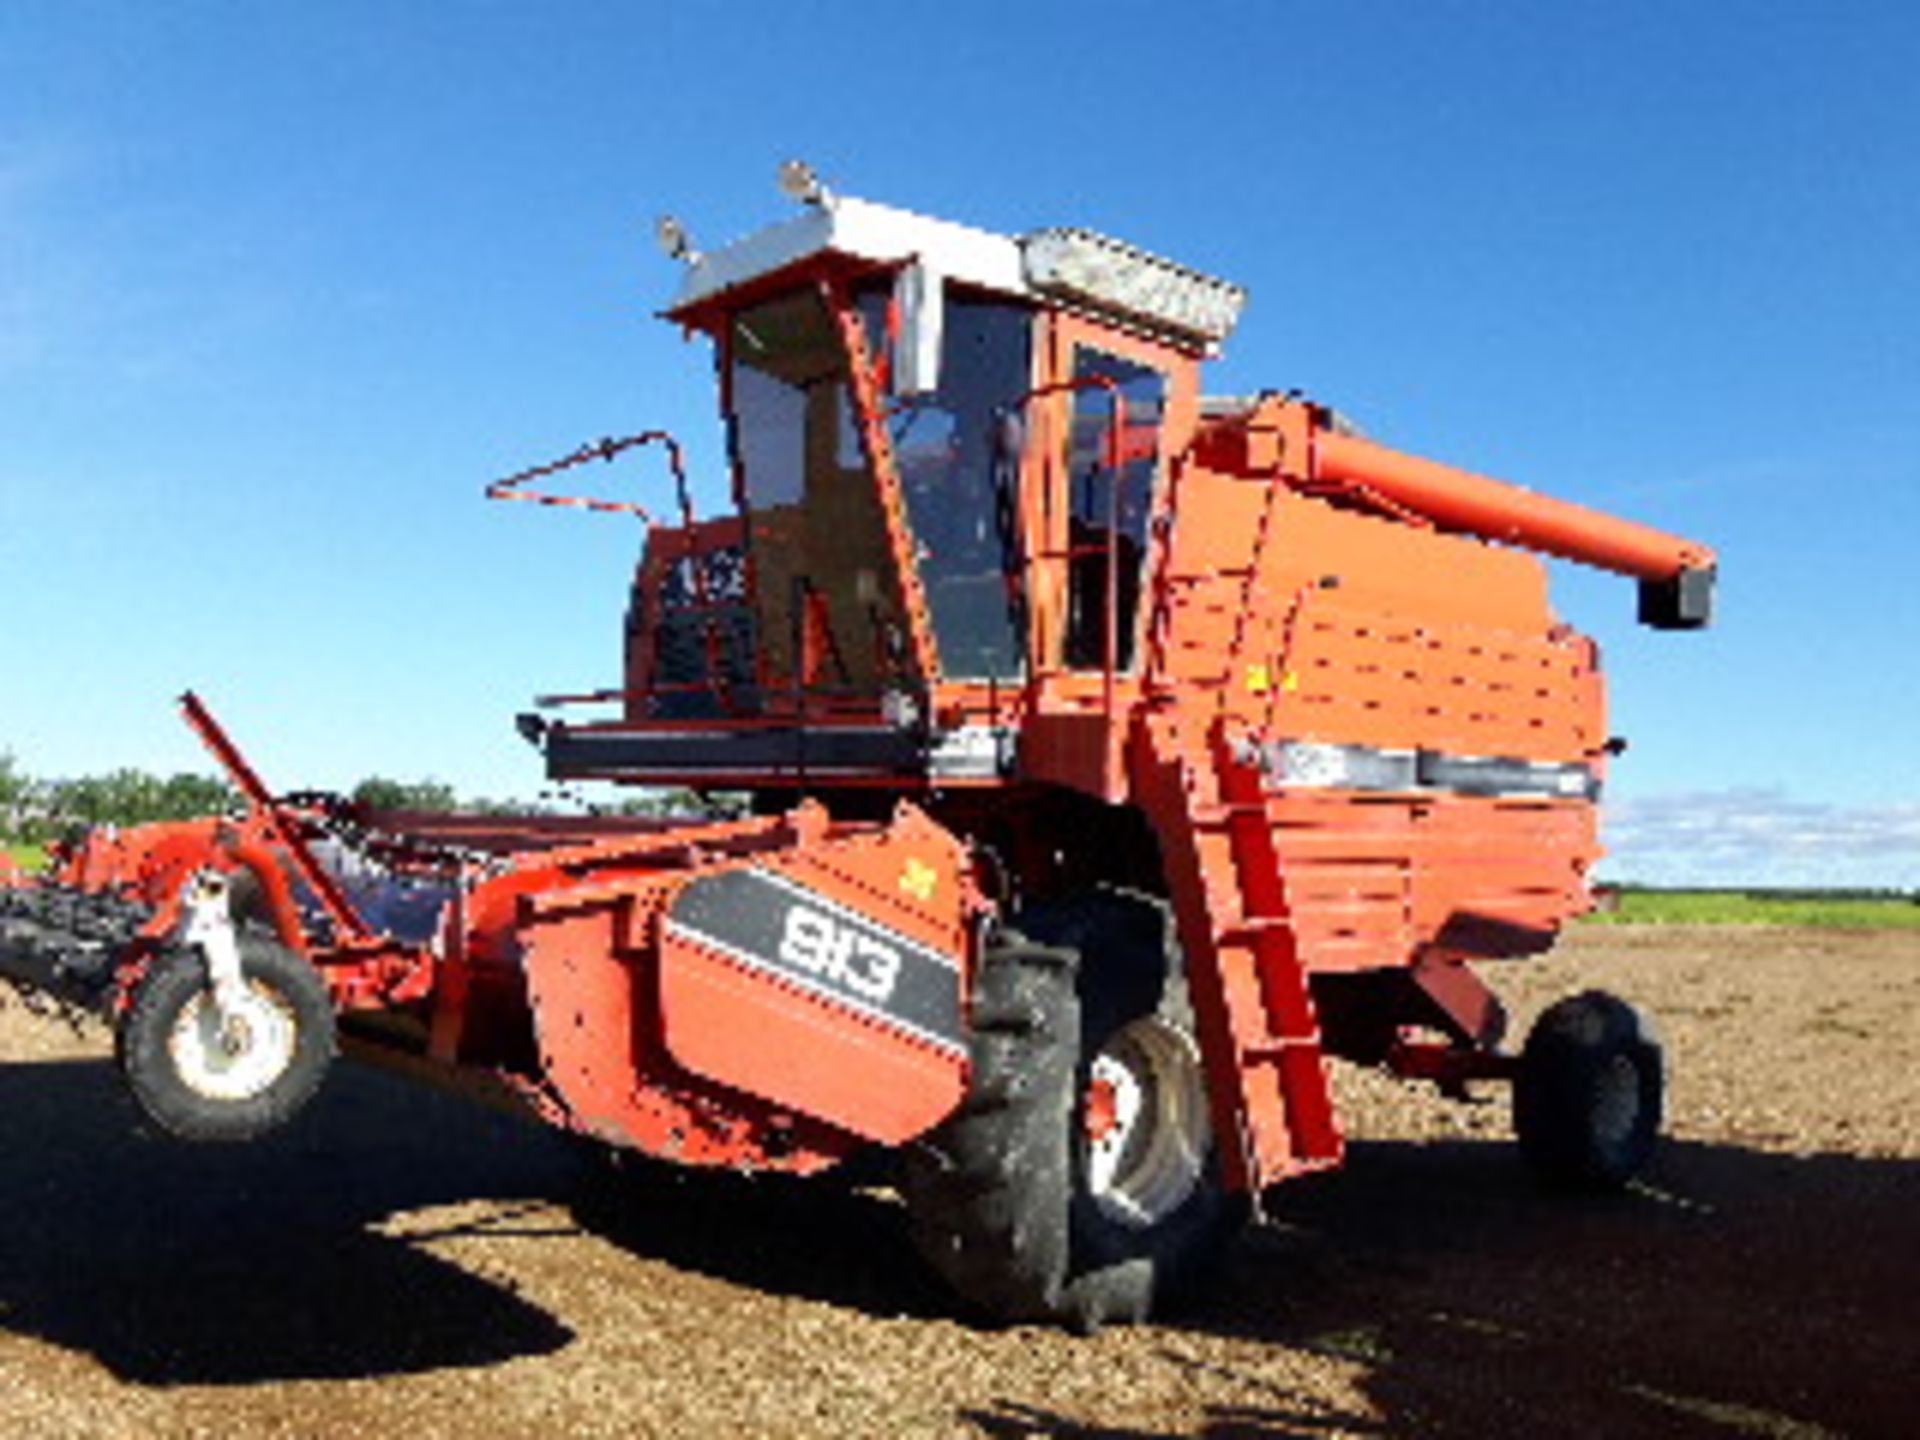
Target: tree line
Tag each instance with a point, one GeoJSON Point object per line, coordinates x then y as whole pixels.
{"type": "Point", "coordinates": [34, 810]}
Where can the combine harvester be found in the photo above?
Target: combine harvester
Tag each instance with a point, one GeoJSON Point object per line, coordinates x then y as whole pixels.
{"type": "Point", "coordinates": [1118, 757]}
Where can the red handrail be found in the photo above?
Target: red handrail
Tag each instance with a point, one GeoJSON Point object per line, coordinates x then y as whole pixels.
{"type": "Point", "coordinates": [1115, 458]}
{"type": "Point", "coordinates": [514, 487]}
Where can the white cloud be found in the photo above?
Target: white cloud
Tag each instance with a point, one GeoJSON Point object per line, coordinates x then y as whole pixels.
{"type": "Point", "coordinates": [1762, 837]}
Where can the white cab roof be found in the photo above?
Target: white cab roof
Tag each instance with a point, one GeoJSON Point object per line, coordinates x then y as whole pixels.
{"type": "Point", "coordinates": [866, 231]}
{"type": "Point", "coordinates": [1077, 268]}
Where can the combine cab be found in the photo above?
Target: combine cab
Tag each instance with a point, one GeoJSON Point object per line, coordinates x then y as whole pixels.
{"type": "Point", "coordinates": [1119, 756]}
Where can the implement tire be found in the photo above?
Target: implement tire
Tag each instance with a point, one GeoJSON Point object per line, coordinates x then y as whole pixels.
{"type": "Point", "coordinates": [1077, 1182]}
{"type": "Point", "coordinates": [1589, 1095]}
{"type": "Point", "coordinates": [200, 1080]}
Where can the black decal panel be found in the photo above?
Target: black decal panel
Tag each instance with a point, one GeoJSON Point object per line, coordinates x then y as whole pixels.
{"type": "Point", "coordinates": [775, 924]}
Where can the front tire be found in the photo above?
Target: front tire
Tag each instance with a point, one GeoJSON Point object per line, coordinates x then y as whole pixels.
{"type": "Point", "coordinates": [1078, 1181]}
{"type": "Point", "coordinates": [201, 1075]}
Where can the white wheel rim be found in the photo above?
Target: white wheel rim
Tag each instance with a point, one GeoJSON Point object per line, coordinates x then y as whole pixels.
{"type": "Point", "coordinates": [1146, 1122]}
{"type": "Point", "coordinates": [233, 1055]}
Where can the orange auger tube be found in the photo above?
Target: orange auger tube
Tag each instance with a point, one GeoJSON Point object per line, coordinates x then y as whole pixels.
{"type": "Point", "coordinates": [1496, 510]}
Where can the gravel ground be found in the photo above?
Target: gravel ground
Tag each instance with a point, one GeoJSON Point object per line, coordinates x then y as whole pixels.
{"type": "Point", "coordinates": [397, 1263]}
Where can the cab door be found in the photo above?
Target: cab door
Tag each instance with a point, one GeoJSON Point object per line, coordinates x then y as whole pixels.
{"type": "Point", "coordinates": [1119, 409]}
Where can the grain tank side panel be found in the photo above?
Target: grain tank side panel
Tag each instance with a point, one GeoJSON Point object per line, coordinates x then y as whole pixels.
{"type": "Point", "coordinates": [1433, 737]}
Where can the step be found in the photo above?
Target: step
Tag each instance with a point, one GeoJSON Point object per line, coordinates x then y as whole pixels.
{"type": "Point", "coordinates": [1225, 572]}
{"type": "Point", "coordinates": [1212, 817]}
{"type": "Point", "coordinates": [1202, 682]}
{"type": "Point", "coordinates": [1250, 928]}
{"type": "Point", "coordinates": [1274, 1049]}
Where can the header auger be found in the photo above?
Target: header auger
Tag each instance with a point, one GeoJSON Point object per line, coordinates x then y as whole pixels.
{"type": "Point", "coordinates": [1118, 758]}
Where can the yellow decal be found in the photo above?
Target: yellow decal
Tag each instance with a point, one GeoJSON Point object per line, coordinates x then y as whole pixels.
{"type": "Point", "coordinates": [1291, 683]}
{"type": "Point", "coordinates": [919, 879]}
{"type": "Point", "coordinates": [1259, 679]}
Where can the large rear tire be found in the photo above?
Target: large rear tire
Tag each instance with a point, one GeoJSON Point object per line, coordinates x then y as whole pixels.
{"type": "Point", "coordinates": [204, 1076]}
{"type": "Point", "coordinates": [1078, 1181]}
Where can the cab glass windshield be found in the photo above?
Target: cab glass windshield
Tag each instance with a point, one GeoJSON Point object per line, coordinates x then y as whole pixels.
{"type": "Point", "coordinates": [826, 603]}
{"type": "Point", "coordinates": [959, 489]}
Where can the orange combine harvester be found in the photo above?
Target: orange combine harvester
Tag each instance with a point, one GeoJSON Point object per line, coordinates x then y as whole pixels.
{"type": "Point", "coordinates": [1118, 757]}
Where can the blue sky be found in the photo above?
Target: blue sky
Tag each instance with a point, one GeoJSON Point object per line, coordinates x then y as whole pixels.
{"type": "Point", "coordinates": [281, 286]}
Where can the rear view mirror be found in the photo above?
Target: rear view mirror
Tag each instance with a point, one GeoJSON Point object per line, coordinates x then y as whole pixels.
{"type": "Point", "coordinates": [920, 296]}
{"type": "Point", "coordinates": [1009, 437]}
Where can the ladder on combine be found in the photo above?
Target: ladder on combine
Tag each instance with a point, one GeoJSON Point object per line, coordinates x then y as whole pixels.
{"type": "Point", "coordinates": [1214, 811]}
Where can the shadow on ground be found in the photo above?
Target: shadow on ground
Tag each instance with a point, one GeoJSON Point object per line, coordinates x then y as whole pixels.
{"type": "Point", "coordinates": [178, 1265]}
{"type": "Point", "coordinates": [1736, 1293]}
{"type": "Point", "coordinates": [1739, 1293]}
{"type": "Point", "coordinates": [823, 1238]}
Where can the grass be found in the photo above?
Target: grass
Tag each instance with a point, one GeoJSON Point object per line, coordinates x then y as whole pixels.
{"type": "Point", "coordinates": [1758, 907]}
{"type": "Point", "coordinates": [28, 857]}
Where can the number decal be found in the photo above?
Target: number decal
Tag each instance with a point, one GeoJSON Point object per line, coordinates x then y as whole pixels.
{"type": "Point", "coordinates": [818, 944]}
{"type": "Point", "coordinates": [776, 925]}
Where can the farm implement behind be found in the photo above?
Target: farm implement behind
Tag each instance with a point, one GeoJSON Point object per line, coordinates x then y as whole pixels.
{"type": "Point", "coordinates": [1119, 758]}
{"type": "Point", "coordinates": [232, 954]}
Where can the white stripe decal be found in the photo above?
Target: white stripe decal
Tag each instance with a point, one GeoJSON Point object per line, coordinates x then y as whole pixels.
{"type": "Point", "coordinates": [813, 987]}
{"type": "Point", "coordinates": [826, 902]}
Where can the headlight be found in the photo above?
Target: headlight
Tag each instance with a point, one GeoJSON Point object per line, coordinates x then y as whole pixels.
{"type": "Point", "coordinates": [1112, 275]}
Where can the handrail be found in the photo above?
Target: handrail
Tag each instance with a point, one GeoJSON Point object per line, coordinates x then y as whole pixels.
{"type": "Point", "coordinates": [1115, 458]}
{"type": "Point", "coordinates": [513, 487]}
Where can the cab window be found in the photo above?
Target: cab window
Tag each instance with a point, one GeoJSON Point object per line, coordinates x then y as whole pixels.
{"type": "Point", "coordinates": [1108, 508]}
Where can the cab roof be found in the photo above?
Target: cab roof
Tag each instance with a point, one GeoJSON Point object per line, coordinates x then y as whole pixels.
{"type": "Point", "coordinates": [1075, 268]}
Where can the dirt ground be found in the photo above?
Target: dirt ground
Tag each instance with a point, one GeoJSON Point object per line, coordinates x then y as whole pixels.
{"type": "Point", "coordinates": [398, 1263]}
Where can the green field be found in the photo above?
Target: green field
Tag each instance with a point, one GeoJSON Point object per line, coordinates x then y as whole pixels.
{"type": "Point", "coordinates": [1734, 907]}
{"type": "Point", "coordinates": [29, 856]}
